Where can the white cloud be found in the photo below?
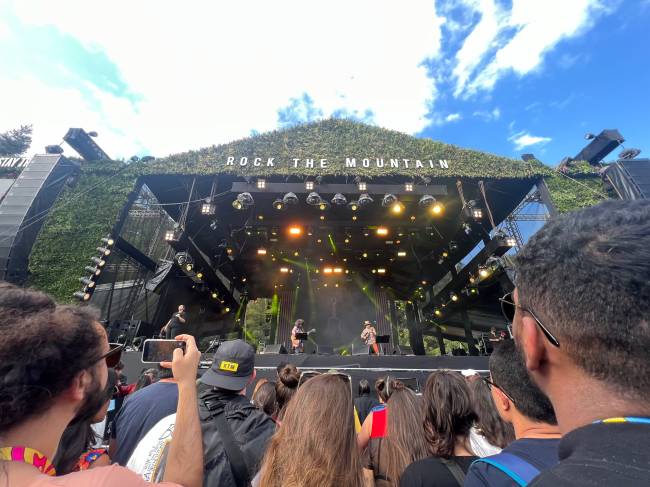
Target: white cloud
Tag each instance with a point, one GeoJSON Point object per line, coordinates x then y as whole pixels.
{"type": "Point", "coordinates": [211, 72]}
{"type": "Point", "coordinates": [490, 51]}
{"type": "Point", "coordinates": [488, 116]}
{"type": "Point", "coordinates": [453, 117]}
{"type": "Point", "coordinates": [522, 140]}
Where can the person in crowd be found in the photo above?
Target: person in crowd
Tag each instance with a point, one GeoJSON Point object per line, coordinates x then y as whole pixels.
{"type": "Point", "coordinates": [76, 449]}
{"type": "Point", "coordinates": [235, 432]}
{"type": "Point", "coordinates": [581, 317]}
{"type": "Point", "coordinates": [122, 380]}
{"type": "Point", "coordinates": [490, 434]}
{"type": "Point", "coordinates": [139, 413]}
{"type": "Point", "coordinates": [285, 387]}
{"type": "Point", "coordinates": [53, 361]}
{"type": "Point", "coordinates": [448, 419]}
{"type": "Point", "coordinates": [316, 444]}
{"type": "Point", "coordinates": [376, 422]}
{"type": "Point", "coordinates": [264, 397]}
{"type": "Point", "coordinates": [366, 401]}
{"type": "Point", "coordinates": [520, 403]}
{"type": "Point", "coordinates": [404, 443]}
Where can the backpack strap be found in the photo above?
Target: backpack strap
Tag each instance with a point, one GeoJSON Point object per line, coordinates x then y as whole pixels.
{"type": "Point", "coordinates": [231, 448]}
{"type": "Point", "coordinates": [454, 469]}
{"type": "Point", "coordinates": [515, 467]}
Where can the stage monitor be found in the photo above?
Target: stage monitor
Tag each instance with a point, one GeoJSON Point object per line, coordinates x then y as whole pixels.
{"type": "Point", "coordinates": [275, 349]}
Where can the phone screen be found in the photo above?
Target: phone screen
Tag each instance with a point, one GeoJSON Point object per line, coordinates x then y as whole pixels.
{"type": "Point", "coordinates": [156, 351]}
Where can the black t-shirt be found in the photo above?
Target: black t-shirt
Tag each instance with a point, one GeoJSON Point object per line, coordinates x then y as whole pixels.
{"type": "Point", "coordinates": [431, 472]}
{"type": "Point", "coordinates": [603, 454]}
{"type": "Point", "coordinates": [139, 413]}
{"type": "Point", "coordinates": [541, 453]}
{"type": "Point", "coordinates": [364, 404]}
{"type": "Point", "coordinates": [175, 323]}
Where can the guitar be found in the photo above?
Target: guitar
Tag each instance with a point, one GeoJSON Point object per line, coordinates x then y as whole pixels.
{"type": "Point", "coordinates": [295, 342]}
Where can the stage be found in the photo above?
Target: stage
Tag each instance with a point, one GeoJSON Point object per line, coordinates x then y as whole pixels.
{"type": "Point", "coordinates": [411, 367]}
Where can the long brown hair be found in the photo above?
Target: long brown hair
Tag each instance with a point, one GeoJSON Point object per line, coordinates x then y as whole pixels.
{"type": "Point", "coordinates": [316, 444]}
{"type": "Point", "coordinates": [405, 441]}
{"type": "Point", "coordinates": [448, 412]}
{"type": "Point", "coordinates": [490, 425]}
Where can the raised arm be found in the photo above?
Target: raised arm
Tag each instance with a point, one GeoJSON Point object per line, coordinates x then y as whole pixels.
{"type": "Point", "coordinates": [185, 461]}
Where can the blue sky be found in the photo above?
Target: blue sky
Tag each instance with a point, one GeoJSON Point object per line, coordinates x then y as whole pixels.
{"type": "Point", "coordinates": [504, 76]}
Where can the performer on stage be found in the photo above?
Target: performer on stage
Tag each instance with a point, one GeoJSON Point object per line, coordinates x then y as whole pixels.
{"type": "Point", "coordinates": [497, 337]}
{"type": "Point", "coordinates": [369, 336]}
{"type": "Point", "coordinates": [175, 324]}
{"type": "Point", "coordinates": [297, 345]}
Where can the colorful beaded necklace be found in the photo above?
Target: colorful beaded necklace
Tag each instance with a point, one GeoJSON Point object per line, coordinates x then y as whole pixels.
{"type": "Point", "coordinates": [28, 455]}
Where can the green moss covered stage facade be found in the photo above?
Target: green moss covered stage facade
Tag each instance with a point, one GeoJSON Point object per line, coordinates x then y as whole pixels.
{"type": "Point", "coordinates": [91, 208]}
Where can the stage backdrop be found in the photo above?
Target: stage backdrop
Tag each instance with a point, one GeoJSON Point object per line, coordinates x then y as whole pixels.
{"type": "Point", "coordinates": [337, 314]}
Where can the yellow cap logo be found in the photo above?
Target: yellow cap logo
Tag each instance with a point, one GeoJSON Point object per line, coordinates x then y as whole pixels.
{"type": "Point", "coordinates": [229, 366]}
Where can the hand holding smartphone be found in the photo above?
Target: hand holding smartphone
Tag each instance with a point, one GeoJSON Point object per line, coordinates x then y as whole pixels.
{"type": "Point", "coordinates": [156, 351]}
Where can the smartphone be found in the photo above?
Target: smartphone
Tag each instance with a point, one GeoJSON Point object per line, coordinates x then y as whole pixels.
{"type": "Point", "coordinates": [156, 351]}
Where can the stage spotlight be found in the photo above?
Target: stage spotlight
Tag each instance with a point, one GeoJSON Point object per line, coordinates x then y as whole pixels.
{"type": "Point", "coordinates": [382, 231]}
{"type": "Point", "coordinates": [408, 187]}
{"type": "Point", "coordinates": [437, 312]}
{"type": "Point", "coordinates": [511, 241]}
{"type": "Point", "coordinates": [437, 208]}
{"type": "Point", "coordinates": [453, 296]}
{"type": "Point", "coordinates": [207, 208]}
{"type": "Point", "coordinates": [397, 208]}
{"type": "Point", "coordinates": [104, 251]}
{"type": "Point", "coordinates": [467, 229]}
{"type": "Point", "coordinates": [278, 204]}
{"type": "Point", "coordinates": [309, 185]}
{"type": "Point", "coordinates": [338, 270]}
{"type": "Point", "coordinates": [290, 199]}
{"type": "Point", "coordinates": [483, 272]}
{"type": "Point", "coordinates": [108, 241]}
{"type": "Point", "coordinates": [381, 270]}
{"type": "Point", "coordinates": [189, 267]}
{"type": "Point", "coordinates": [170, 235]}
{"type": "Point", "coordinates": [314, 199]}
{"type": "Point", "coordinates": [389, 200]}
{"type": "Point", "coordinates": [473, 290]}
{"type": "Point", "coordinates": [214, 295]}
{"type": "Point", "coordinates": [353, 205]}
{"type": "Point", "coordinates": [365, 200]}
{"type": "Point", "coordinates": [327, 270]}
{"type": "Point", "coordinates": [261, 184]}
{"type": "Point", "coordinates": [339, 200]}
{"type": "Point", "coordinates": [444, 254]}
{"type": "Point", "coordinates": [324, 205]}
{"type": "Point", "coordinates": [426, 201]}
{"type": "Point", "coordinates": [261, 251]}
{"type": "Point", "coordinates": [362, 186]}
{"type": "Point", "coordinates": [237, 205]}
{"type": "Point", "coordinates": [93, 270]}
{"type": "Point", "coordinates": [365, 255]}
{"type": "Point", "coordinates": [477, 213]}
{"type": "Point", "coordinates": [295, 231]}
{"type": "Point", "coordinates": [284, 270]}
{"type": "Point", "coordinates": [98, 262]}
{"type": "Point", "coordinates": [227, 310]}
{"type": "Point", "coordinates": [401, 253]}
{"type": "Point", "coordinates": [89, 283]}
{"type": "Point", "coordinates": [82, 296]}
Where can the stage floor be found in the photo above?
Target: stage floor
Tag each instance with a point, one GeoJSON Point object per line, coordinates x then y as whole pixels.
{"type": "Point", "coordinates": [415, 368]}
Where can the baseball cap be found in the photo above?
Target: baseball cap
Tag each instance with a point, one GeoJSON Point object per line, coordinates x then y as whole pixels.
{"type": "Point", "coordinates": [232, 366]}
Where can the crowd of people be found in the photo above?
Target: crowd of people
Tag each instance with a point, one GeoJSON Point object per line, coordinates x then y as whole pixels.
{"type": "Point", "coordinates": [565, 403]}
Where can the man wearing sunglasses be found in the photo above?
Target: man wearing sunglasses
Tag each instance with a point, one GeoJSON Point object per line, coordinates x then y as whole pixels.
{"type": "Point", "coordinates": [52, 359]}
{"type": "Point", "coordinates": [520, 403]}
{"type": "Point", "coordinates": [581, 318]}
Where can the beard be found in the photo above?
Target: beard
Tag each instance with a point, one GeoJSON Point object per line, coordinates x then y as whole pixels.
{"type": "Point", "coordinates": [94, 398]}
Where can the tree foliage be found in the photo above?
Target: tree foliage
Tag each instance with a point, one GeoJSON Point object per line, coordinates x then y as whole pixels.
{"type": "Point", "coordinates": [16, 141]}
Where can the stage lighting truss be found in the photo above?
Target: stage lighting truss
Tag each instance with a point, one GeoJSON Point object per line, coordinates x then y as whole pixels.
{"type": "Point", "coordinates": [339, 200]}
{"type": "Point", "coordinates": [208, 208]}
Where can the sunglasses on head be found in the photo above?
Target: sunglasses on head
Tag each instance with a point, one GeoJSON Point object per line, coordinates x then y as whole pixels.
{"type": "Point", "coordinates": [310, 374]}
{"type": "Point", "coordinates": [509, 307]}
{"type": "Point", "coordinates": [113, 355]}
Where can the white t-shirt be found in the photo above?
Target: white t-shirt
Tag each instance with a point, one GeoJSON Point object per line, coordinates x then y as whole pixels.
{"type": "Point", "coordinates": [150, 456]}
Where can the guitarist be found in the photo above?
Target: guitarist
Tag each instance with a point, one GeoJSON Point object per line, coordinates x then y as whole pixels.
{"type": "Point", "coordinates": [297, 345]}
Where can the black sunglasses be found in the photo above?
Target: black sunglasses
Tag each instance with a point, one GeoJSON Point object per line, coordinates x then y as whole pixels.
{"type": "Point", "coordinates": [113, 356]}
{"type": "Point", "coordinates": [508, 308]}
{"type": "Point", "coordinates": [491, 384]}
